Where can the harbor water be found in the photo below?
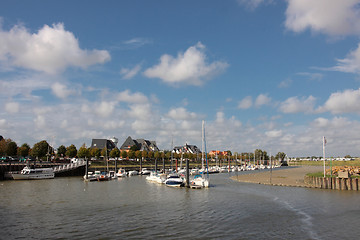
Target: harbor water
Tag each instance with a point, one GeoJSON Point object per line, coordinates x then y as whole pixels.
{"type": "Point", "coordinates": [132, 208]}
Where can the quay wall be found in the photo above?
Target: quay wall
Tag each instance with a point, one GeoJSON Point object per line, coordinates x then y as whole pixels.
{"type": "Point", "coordinates": [351, 184]}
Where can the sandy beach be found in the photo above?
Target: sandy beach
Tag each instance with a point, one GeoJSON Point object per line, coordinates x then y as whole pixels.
{"type": "Point", "coordinates": [286, 176]}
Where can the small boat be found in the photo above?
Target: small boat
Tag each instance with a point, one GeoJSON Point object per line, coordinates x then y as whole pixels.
{"type": "Point", "coordinates": [102, 176]}
{"type": "Point", "coordinates": [174, 180]}
{"type": "Point", "coordinates": [133, 173]}
{"type": "Point", "coordinates": [91, 177]}
{"type": "Point", "coordinates": [28, 173]}
{"type": "Point", "coordinates": [121, 173]}
{"type": "Point", "coordinates": [194, 171]}
{"type": "Point", "coordinates": [199, 182]}
{"type": "Point", "coordinates": [145, 171]}
{"type": "Point", "coordinates": [112, 175]}
{"type": "Point", "coordinates": [155, 177]}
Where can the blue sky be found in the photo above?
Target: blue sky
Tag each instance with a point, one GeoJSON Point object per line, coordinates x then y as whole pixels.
{"type": "Point", "coordinates": [274, 75]}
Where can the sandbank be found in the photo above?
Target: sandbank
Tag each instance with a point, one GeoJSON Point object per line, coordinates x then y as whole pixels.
{"type": "Point", "coordinates": [285, 176]}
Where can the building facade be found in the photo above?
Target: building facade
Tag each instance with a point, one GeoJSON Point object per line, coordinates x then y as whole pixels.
{"type": "Point", "coordinates": [139, 144]}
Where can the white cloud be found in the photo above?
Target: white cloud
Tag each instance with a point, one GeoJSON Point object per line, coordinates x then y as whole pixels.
{"type": "Point", "coordinates": [332, 17]}
{"type": "Point", "coordinates": [343, 102]}
{"type": "Point", "coordinates": [102, 109]}
{"type": "Point", "coordinates": [312, 76]}
{"type": "Point", "coordinates": [245, 103]}
{"type": "Point", "coordinates": [50, 50]}
{"type": "Point", "coordinates": [296, 105]}
{"type": "Point", "coordinates": [128, 73]}
{"type": "Point", "coordinates": [274, 133]}
{"type": "Point", "coordinates": [127, 96]}
{"type": "Point", "coordinates": [286, 83]}
{"type": "Point", "coordinates": [252, 4]}
{"type": "Point", "coordinates": [12, 107]}
{"type": "Point", "coordinates": [61, 91]}
{"type": "Point", "coordinates": [2, 123]}
{"type": "Point", "coordinates": [351, 63]}
{"type": "Point", "coordinates": [262, 99]}
{"type": "Point", "coordinates": [189, 67]}
{"type": "Point", "coordinates": [181, 114]}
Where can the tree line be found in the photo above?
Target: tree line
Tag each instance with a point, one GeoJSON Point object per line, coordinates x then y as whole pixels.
{"type": "Point", "coordinates": [42, 150]}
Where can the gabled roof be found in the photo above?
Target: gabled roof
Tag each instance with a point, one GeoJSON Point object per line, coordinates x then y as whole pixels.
{"type": "Point", "coordinates": [187, 149]}
{"type": "Point", "coordinates": [101, 143]}
{"type": "Point", "coordinates": [142, 144]}
{"type": "Point", "coordinates": [129, 142]}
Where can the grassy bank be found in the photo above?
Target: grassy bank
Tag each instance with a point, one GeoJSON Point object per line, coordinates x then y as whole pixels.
{"type": "Point", "coordinates": [355, 162]}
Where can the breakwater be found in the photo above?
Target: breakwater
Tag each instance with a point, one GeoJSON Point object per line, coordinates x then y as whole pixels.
{"type": "Point", "coordinates": [335, 183]}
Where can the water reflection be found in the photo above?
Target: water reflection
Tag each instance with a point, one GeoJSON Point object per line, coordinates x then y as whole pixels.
{"type": "Point", "coordinates": [134, 208]}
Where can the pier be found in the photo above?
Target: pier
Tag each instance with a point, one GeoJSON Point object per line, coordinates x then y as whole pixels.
{"type": "Point", "coordinates": [60, 169]}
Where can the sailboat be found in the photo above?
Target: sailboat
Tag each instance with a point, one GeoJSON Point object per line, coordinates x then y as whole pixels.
{"type": "Point", "coordinates": [202, 181]}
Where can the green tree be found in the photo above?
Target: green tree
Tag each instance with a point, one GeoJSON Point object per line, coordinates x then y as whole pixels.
{"type": "Point", "coordinates": [168, 155]}
{"type": "Point", "coordinates": [61, 151]}
{"type": "Point", "coordinates": [131, 154]}
{"type": "Point", "coordinates": [4, 143]}
{"type": "Point", "coordinates": [3, 146]}
{"type": "Point", "coordinates": [105, 152]}
{"type": "Point", "coordinates": [83, 152]}
{"type": "Point", "coordinates": [280, 155]}
{"type": "Point", "coordinates": [40, 149]}
{"type": "Point", "coordinates": [134, 148]}
{"type": "Point", "coordinates": [95, 152]}
{"type": "Point", "coordinates": [138, 154]}
{"type": "Point", "coordinates": [123, 154]}
{"type": "Point", "coordinates": [11, 149]}
{"type": "Point", "coordinates": [157, 155]}
{"type": "Point", "coordinates": [115, 153]}
{"type": "Point", "coordinates": [144, 154]}
{"type": "Point", "coordinates": [24, 150]}
{"type": "Point", "coordinates": [151, 155]}
{"type": "Point", "coordinates": [71, 151]}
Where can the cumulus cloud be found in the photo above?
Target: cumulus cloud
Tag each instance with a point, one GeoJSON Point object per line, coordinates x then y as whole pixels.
{"type": "Point", "coordinates": [332, 17]}
{"type": "Point", "coordinates": [245, 103]}
{"type": "Point", "coordinates": [296, 105]}
{"type": "Point", "coordinates": [127, 96]}
{"type": "Point", "coordinates": [343, 102]}
{"type": "Point", "coordinates": [102, 109]}
{"type": "Point", "coordinates": [189, 67]}
{"type": "Point", "coordinates": [181, 114]}
{"type": "Point", "coordinates": [262, 99]}
{"type": "Point", "coordinates": [273, 133]}
{"type": "Point", "coordinates": [51, 50]}
{"type": "Point", "coordinates": [61, 91]}
{"type": "Point", "coordinates": [128, 73]}
{"type": "Point", "coordinates": [12, 107]}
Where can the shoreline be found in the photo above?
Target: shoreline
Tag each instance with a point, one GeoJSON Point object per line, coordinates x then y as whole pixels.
{"type": "Point", "coordinates": [288, 177]}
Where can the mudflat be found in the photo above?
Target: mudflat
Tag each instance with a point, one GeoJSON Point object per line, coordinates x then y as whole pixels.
{"type": "Point", "coordinates": [285, 176]}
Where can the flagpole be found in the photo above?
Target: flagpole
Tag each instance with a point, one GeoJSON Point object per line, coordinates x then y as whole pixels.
{"type": "Point", "coordinates": [324, 142]}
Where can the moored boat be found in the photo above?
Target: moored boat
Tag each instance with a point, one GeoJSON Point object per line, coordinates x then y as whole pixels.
{"type": "Point", "coordinates": [156, 177]}
{"type": "Point", "coordinates": [28, 173]}
{"type": "Point", "coordinates": [121, 173]}
{"type": "Point", "coordinates": [199, 182]}
{"type": "Point", "coordinates": [133, 173]}
{"type": "Point", "coordinates": [174, 180]}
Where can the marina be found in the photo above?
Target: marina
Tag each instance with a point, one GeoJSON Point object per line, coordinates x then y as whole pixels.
{"type": "Point", "coordinates": [134, 208]}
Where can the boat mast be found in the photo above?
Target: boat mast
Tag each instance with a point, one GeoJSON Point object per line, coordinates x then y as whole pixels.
{"type": "Point", "coordinates": [203, 144]}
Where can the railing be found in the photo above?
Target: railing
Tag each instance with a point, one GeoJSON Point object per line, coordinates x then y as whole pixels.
{"type": "Point", "coordinates": [69, 166]}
